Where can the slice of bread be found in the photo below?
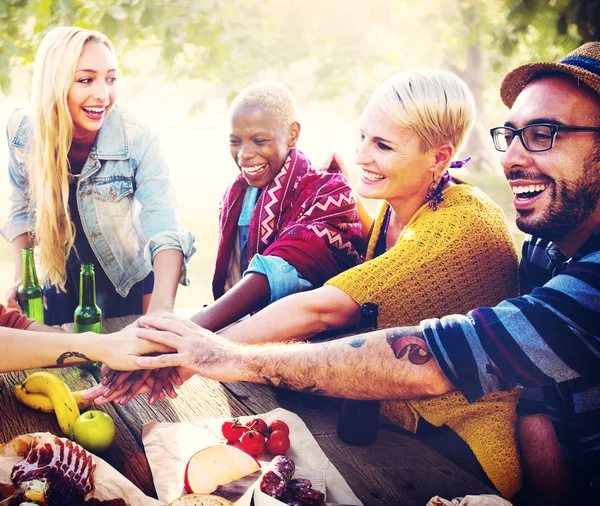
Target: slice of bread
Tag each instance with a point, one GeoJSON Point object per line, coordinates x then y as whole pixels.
{"type": "Point", "coordinates": [200, 500]}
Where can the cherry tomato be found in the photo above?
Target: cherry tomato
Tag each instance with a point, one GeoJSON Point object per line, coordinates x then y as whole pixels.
{"type": "Point", "coordinates": [258, 424]}
{"type": "Point", "coordinates": [278, 443]}
{"type": "Point", "coordinates": [231, 432]}
{"type": "Point", "coordinates": [253, 443]}
{"type": "Point", "coordinates": [280, 425]}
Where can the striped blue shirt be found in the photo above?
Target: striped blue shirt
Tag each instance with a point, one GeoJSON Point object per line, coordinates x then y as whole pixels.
{"type": "Point", "coordinates": [547, 340]}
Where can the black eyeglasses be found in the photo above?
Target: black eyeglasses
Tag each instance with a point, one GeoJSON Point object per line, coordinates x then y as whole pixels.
{"type": "Point", "coordinates": [539, 137]}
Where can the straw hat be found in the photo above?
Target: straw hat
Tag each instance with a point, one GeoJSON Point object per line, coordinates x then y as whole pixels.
{"type": "Point", "coordinates": [583, 64]}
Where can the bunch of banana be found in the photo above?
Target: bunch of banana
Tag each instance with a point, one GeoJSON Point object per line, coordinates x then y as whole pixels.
{"type": "Point", "coordinates": [42, 402]}
{"type": "Point", "coordinates": [47, 392]}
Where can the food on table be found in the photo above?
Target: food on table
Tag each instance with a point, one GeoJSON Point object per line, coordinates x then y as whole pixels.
{"type": "Point", "coordinates": [256, 435]}
{"type": "Point", "coordinates": [259, 425]}
{"type": "Point", "coordinates": [66, 465]}
{"type": "Point", "coordinates": [253, 443]}
{"type": "Point", "coordinates": [29, 492]}
{"type": "Point", "coordinates": [279, 425]}
{"type": "Point", "coordinates": [232, 430]}
{"type": "Point", "coordinates": [278, 443]}
{"type": "Point", "coordinates": [95, 431]}
{"type": "Point", "coordinates": [19, 497]}
{"type": "Point", "coordinates": [63, 401]}
{"type": "Point", "coordinates": [274, 481]}
{"type": "Point", "coordinates": [53, 472]}
{"type": "Point", "coordinates": [278, 483]}
{"type": "Point", "coordinates": [217, 465]}
{"type": "Point", "coordinates": [200, 500]}
{"type": "Point", "coordinates": [43, 403]}
{"type": "Point", "coordinates": [303, 495]}
{"type": "Point", "coordinates": [108, 502]}
{"type": "Point", "coordinates": [45, 391]}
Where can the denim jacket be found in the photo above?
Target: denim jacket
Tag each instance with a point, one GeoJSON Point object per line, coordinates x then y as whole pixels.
{"type": "Point", "coordinates": [124, 194]}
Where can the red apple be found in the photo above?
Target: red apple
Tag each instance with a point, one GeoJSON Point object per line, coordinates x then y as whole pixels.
{"type": "Point", "coordinates": [217, 465]}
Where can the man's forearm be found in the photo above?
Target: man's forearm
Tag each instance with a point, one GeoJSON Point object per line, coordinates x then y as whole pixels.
{"type": "Point", "coordinates": [386, 364]}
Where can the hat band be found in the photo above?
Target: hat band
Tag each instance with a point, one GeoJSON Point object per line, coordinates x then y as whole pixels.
{"type": "Point", "coordinates": [583, 62]}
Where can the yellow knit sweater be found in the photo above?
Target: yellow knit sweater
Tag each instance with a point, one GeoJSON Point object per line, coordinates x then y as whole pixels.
{"type": "Point", "coordinates": [448, 261]}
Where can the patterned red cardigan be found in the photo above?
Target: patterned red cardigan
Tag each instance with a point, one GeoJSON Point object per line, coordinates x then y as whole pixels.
{"type": "Point", "coordinates": [306, 218]}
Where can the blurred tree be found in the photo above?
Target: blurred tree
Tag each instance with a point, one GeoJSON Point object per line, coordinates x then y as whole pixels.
{"type": "Point", "coordinates": [334, 48]}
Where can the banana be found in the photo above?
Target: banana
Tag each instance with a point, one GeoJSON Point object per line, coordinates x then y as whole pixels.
{"type": "Point", "coordinates": [43, 403]}
{"type": "Point", "coordinates": [82, 404]}
{"type": "Point", "coordinates": [60, 394]}
{"type": "Point", "coordinates": [34, 401]}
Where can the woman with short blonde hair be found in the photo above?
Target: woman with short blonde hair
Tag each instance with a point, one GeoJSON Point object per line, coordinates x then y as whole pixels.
{"type": "Point", "coordinates": [435, 104]}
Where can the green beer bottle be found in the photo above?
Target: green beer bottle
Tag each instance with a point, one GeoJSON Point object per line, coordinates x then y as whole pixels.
{"type": "Point", "coordinates": [88, 316]}
{"type": "Point", "coordinates": [31, 298]}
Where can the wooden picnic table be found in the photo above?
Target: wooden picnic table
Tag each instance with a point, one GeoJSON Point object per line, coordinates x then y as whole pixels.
{"type": "Point", "coordinates": [396, 470]}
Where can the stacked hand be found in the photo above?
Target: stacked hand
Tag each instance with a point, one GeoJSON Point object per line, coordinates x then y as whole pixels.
{"type": "Point", "coordinates": [197, 351]}
{"type": "Point", "coordinates": [122, 386]}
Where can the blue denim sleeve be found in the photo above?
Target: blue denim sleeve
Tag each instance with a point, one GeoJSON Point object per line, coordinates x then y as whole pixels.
{"type": "Point", "coordinates": [18, 218]}
{"type": "Point", "coordinates": [283, 278]}
{"type": "Point", "coordinates": [158, 216]}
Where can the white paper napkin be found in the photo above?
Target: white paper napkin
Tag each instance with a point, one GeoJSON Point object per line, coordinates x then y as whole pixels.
{"type": "Point", "coordinates": [169, 446]}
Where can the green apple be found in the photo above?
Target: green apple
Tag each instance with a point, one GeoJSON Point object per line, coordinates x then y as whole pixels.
{"type": "Point", "coordinates": [94, 430]}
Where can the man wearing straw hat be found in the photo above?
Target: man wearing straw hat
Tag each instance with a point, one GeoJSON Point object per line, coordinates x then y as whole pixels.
{"type": "Point", "coordinates": [548, 337]}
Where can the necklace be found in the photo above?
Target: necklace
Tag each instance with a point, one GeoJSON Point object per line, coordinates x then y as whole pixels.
{"type": "Point", "coordinates": [72, 178]}
{"type": "Point", "coordinates": [386, 224]}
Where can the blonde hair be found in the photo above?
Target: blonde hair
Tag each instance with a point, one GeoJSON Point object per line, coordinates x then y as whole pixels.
{"type": "Point", "coordinates": [274, 98]}
{"type": "Point", "coordinates": [52, 134]}
{"type": "Point", "coordinates": [435, 104]}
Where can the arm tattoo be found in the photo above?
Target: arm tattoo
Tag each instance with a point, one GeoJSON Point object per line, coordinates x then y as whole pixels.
{"type": "Point", "coordinates": [69, 354]}
{"type": "Point", "coordinates": [409, 342]}
{"type": "Point", "coordinates": [358, 342]}
{"type": "Point", "coordinates": [279, 383]}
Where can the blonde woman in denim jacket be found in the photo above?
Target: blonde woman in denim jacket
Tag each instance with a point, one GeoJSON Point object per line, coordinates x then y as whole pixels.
{"type": "Point", "coordinates": [90, 184]}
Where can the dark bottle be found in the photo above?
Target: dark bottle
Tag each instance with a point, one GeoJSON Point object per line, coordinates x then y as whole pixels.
{"type": "Point", "coordinates": [87, 316]}
{"type": "Point", "coordinates": [31, 298]}
{"type": "Point", "coordinates": [358, 420]}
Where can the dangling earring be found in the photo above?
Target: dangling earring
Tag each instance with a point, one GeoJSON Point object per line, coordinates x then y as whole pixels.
{"type": "Point", "coordinates": [434, 192]}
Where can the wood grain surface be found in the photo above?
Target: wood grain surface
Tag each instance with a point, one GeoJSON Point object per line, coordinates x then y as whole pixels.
{"type": "Point", "coordinates": [396, 470]}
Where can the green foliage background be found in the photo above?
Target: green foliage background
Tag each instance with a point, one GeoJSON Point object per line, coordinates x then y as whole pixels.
{"type": "Point", "coordinates": [331, 52]}
{"type": "Point", "coordinates": [350, 43]}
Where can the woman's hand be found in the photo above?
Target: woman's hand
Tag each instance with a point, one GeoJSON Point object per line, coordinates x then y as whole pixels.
{"type": "Point", "coordinates": [120, 349]}
{"type": "Point", "coordinates": [115, 383]}
{"type": "Point", "coordinates": [198, 349]}
{"type": "Point", "coordinates": [121, 387]}
{"type": "Point", "coordinates": [334, 163]}
{"type": "Point", "coordinates": [12, 297]}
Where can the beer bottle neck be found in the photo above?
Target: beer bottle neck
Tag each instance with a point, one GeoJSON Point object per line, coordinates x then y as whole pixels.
{"type": "Point", "coordinates": [28, 272]}
{"type": "Point", "coordinates": [87, 289]}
